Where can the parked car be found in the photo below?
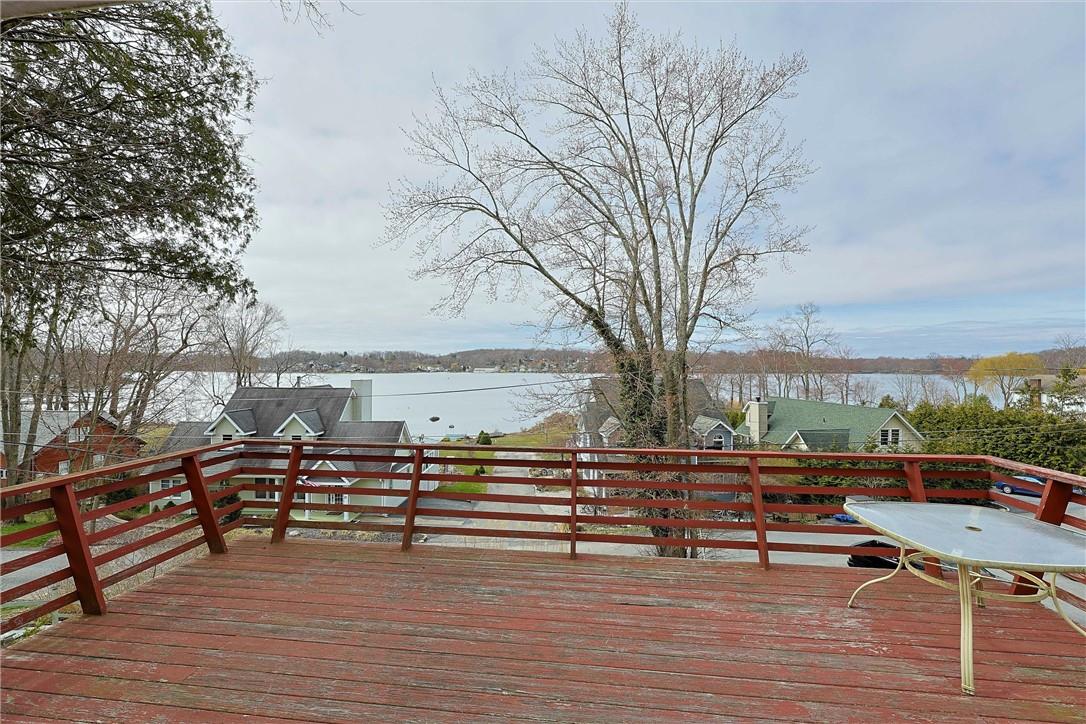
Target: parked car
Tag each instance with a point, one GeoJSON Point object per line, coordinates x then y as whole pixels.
{"type": "Point", "coordinates": [844, 518]}
{"type": "Point", "coordinates": [1012, 489]}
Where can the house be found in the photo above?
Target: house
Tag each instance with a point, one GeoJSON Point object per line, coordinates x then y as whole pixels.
{"type": "Point", "coordinates": [70, 440]}
{"type": "Point", "coordinates": [599, 424]}
{"type": "Point", "coordinates": [1045, 390]}
{"type": "Point", "coordinates": [812, 425]}
{"type": "Point", "coordinates": [303, 413]}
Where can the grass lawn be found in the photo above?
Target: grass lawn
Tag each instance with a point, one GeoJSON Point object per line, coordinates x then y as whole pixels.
{"type": "Point", "coordinates": [555, 431]}
{"type": "Point", "coordinates": [33, 519]}
{"type": "Point", "coordinates": [462, 488]}
{"type": "Point", "coordinates": [480, 453]}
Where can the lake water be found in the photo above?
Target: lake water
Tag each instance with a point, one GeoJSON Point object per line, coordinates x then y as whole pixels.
{"type": "Point", "coordinates": [464, 402]}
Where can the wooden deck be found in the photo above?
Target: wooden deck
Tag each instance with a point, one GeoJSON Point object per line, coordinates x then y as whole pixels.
{"type": "Point", "coordinates": [322, 631]}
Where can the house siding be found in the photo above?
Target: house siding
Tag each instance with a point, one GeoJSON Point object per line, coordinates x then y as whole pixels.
{"type": "Point", "coordinates": [294, 427]}
{"type": "Point", "coordinates": [101, 439]}
{"type": "Point", "coordinates": [909, 439]}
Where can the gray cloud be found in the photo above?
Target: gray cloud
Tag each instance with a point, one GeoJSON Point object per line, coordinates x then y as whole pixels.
{"type": "Point", "coordinates": [949, 141]}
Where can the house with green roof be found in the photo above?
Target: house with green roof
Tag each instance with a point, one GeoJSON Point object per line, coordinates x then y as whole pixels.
{"type": "Point", "coordinates": [813, 425]}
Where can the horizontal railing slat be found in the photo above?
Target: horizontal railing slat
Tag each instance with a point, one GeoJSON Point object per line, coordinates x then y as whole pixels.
{"type": "Point", "coordinates": [25, 617]}
{"type": "Point", "coordinates": [17, 564]}
{"type": "Point", "coordinates": [33, 531]}
{"type": "Point", "coordinates": [36, 584]}
{"type": "Point", "coordinates": [152, 562]}
{"type": "Point", "coordinates": [25, 509]}
{"type": "Point", "coordinates": [142, 543]}
{"type": "Point", "coordinates": [107, 533]}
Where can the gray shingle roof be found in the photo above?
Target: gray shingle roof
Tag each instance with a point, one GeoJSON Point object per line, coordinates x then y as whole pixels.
{"type": "Point", "coordinates": [368, 431]}
{"type": "Point", "coordinates": [190, 434]}
{"type": "Point", "coordinates": [312, 420]}
{"type": "Point", "coordinates": [243, 420]}
{"type": "Point", "coordinates": [271, 406]}
{"type": "Point", "coordinates": [703, 424]}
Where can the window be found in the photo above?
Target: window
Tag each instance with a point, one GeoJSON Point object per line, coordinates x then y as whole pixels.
{"type": "Point", "coordinates": [63, 467]}
{"type": "Point", "coordinates": [890, 436]}
{"type": "Point", "coordinates": [718, 442]}
{"type": "Point", "coordinates": [299, 497]}
{"type": "Point", "coordinates": [171, 483]}
{"type": "Point", "coordinates": [99, 460]}
{"type": "Point", "coordinates": [336, 498]}
{"type": "Point", "coordinates": [226, 438]}
{"type": "Point", "coordinates": [265, 494]}
{"type": "Point", "coordinates": [295, 437]}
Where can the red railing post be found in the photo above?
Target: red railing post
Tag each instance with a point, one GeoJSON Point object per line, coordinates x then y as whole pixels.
{"type": "Point", "coordinates": [286, 502]}
{"type": "Point", "coordinates": [205, 511]}
{"type": "Point", "coordinates": [74, 538]}
{"type": "Point", "coordinates": [412, 499]}
{"type": "Point", "coordinates": [915, 480]}
{"type": "Point", "coordinates": [759, 512]}
{"type": "Point", "coordinates": [1051, 509]}
{"type": "Point", "coordinates": [573, 505]}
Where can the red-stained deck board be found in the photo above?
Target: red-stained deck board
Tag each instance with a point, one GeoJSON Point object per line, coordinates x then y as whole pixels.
{"type": "Point", "coordinates": [326, 631]}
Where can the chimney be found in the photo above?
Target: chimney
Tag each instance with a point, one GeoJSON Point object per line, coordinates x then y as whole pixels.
{"type": "Point", "coordinates": [362, 400]}
{"type": "Point", "coordinates": [1033, 385]}
{"type": "Point", "coordinates": [757, 419]}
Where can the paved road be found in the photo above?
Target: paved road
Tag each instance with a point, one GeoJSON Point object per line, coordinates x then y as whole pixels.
{"type": "Point", "coordinates": [36, 570]}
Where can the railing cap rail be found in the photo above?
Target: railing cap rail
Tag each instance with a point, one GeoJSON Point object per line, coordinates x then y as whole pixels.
{"type": "Point", "coordinates": [107, 470]}
{"type": "Point", "coordinates": [723, 455]}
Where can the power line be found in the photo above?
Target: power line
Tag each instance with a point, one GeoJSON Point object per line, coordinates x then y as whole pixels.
{"type": "Point", "coordinates": [391, 394]}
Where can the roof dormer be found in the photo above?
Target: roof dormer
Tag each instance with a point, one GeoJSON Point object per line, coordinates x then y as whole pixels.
{"type": "Point", "coordinates": [305, 422]}
{"type": "Point", "coordinates": [233, 422]}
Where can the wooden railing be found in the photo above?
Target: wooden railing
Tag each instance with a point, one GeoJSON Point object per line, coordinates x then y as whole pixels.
{"type": "Point", "coordinates": [667, 499]}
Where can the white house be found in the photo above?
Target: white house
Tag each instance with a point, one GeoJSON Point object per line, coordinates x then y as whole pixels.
{"type": "Point", "coordinates": [304, 413]}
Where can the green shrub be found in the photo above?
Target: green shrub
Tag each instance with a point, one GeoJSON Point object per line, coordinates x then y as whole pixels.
{"type": "Point", "coordinates": [225, 501]}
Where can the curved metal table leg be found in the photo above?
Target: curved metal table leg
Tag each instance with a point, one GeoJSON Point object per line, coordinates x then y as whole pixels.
{"type": "Point", "coordinates": [978, 583]}
{"type": "Point", "coordinates": [1059, 608]}
{"type": "Point", "coordinates": [887, 577]}
{"type": "Point", "coordinates": [965, 596]}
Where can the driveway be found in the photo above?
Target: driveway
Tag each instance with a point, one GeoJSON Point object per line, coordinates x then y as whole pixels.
{"type": "Point", "coordinates": [36, 570]}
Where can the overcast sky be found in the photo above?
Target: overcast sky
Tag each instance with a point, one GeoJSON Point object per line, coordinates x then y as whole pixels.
{"type": "Point", "coordinates": [948, 206]}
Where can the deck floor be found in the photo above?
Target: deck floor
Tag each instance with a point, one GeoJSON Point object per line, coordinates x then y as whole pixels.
{"type": "Point", "coordinates": [325, 631]}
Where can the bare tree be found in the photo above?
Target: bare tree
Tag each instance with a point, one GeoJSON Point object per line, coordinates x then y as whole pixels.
{"type": "Point", "coordinates": [1070, 351]}
{"type": "Point", "coordinates": [932, 390]}
{"type": "Point", "coordinates": [283, 362]}
{"type": "Point", "coordinates": [634, 178]}
{"type": "Point", "coordinates": [807, 339]}
{"type": "Point", "coordinates": [123, 356]}
{"type": "Point", "coordinates": [842, 368]}
{"type": "Point", "coordinates": [244, 332]}
{"type": "Point", "coordinates": [953, 371]}
{"type": "Point", "coordinates": [907, 391]}
{"type": "Point", "coordinates": [864, 392]}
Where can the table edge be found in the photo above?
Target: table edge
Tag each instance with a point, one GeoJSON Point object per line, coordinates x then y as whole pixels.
{"type": "Point", "coordinates": [1001, 565]}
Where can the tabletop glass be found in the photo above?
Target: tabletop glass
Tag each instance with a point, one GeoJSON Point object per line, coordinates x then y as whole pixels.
{"type": "Point", "coordinates": [976, 535]}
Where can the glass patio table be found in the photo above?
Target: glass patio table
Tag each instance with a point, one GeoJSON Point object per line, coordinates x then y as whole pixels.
{"type": "Point", "coordinates": [971, 538]}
